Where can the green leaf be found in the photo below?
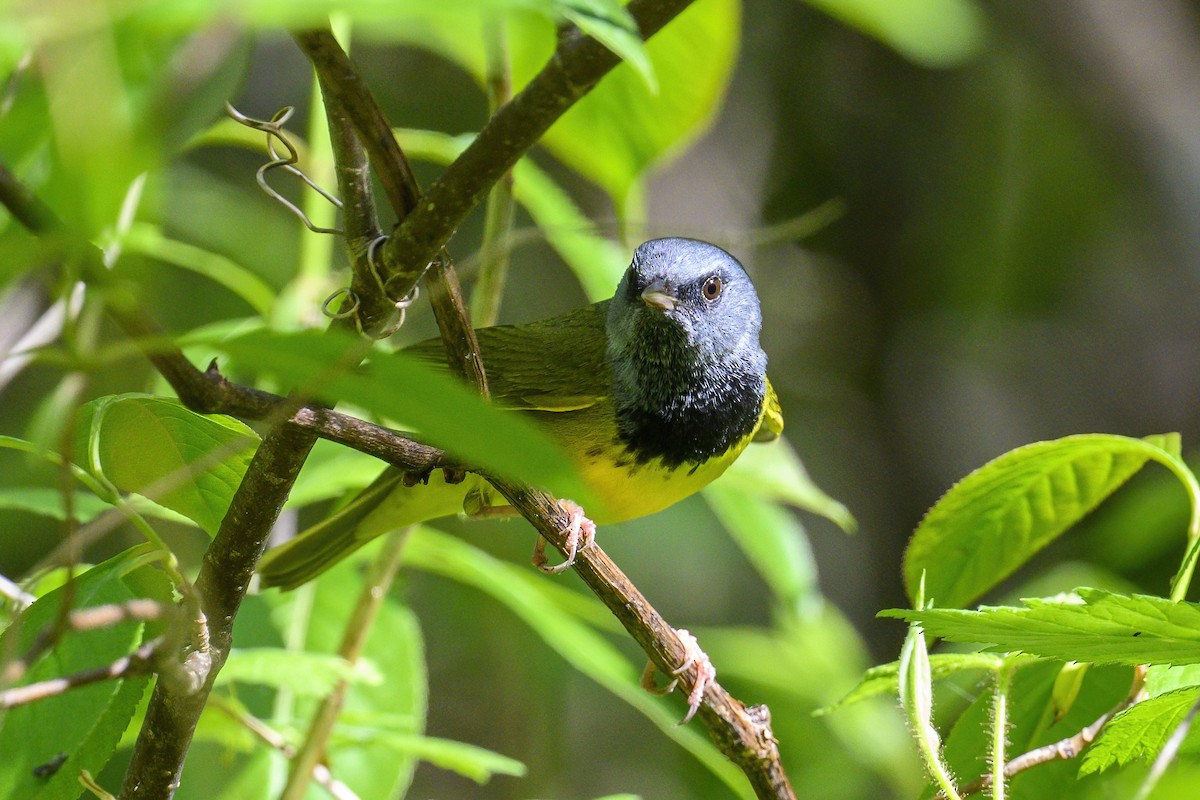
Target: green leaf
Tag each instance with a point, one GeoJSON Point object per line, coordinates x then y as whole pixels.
{"type": "Point", "coordinates": [476, 763]}
{"type": "Point", "coordinates": [330, 471]}
{"type": "Point", "coordinates": [885, 678]}
{"type": "Point", "coordinates": [49, 502]}
{"type": "Point", "coordinates": [774, 471]}
{"type": "Point", "coordinates": [1003, 513]}
{"type": "Point", "coordinates": [1104, 628]}
{"type": "Point", "coordinates": [773, 542]}
{"type": "Point", "coordinates": [608, 22]}
{"type": "Point", "coordinates": [148, 240]}
{"type": "Point", "coordinates": [396, 650]}
{"type": "Point", "coordinates": [597, 262]}
{"type": "Point", "coordinates": [154, 446]}
{"type": "Point", "coordinates": [1163, 678]}
{"type": "Point", "coordinates": [305, 674]}
{"type": "Point", "coordinates": [1032, 725]}
{"type": "Point", "coordinates": [440, 408]}
{"type": "Point", "coordinates": [1140, 731]}
{"type": "Point", "coordinates": [621, 129]}
{"type": "Point", "coordinates": [932, 33]}
{"type": "Point", "coordinates": [587, 651]}
{"type": "Point", "coordinates": [85, 723]}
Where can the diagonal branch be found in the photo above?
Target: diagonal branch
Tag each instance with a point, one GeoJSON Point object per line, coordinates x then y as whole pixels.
{"type": "Point", "coordinates": [578, 64]}
{"type": "Point", "coordinates": [84, 619]}
{"type": "Point", "coordinates": [141, 661]}
{"type": "Point", "coordinates": [225, 573]}
{"type": "Point", "coordinates": [427, 222]}
{"type": "Point", "coordinates": [308, 758]}
{"type": "Point", "coordinates": [742, 733]}
{"type": "Point", "coordinates": [274, 739]}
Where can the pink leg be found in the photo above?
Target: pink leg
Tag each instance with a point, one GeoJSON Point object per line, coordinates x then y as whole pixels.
{"type": "Point", "coordinates": [706, 673]}
{"type": "Point", "coordinates": [580, 531]}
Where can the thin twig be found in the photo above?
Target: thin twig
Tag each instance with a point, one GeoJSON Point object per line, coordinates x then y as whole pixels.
{"type": "Point", "coordinates": [274, 739]}
{"type": "Point", "coordinates": [1066, 748]}
{"type": "Point", "coordinates": [139, 662]}
{"type": "Point", "coordinates": [462, 346]}
{"type": "Point", "coordinates": [354, 637]}
{"type": "Point", "coordinates": [19, 597]}
{"type": "Point", "coordinates": [350, 106]}
{"type": "Point", "coordinates": [84, 619]}
{"type": "Point", "coordinates": [341, 81]}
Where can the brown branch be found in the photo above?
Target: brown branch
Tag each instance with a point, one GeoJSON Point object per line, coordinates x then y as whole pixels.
{"type": "Point", "coordinates": [347, 97]}
{"type": "Point", "coordinates": [225, 574]}
{"type": "Point", "coordinates": [462, 346]}
{"type": "Point", "coordinates": [360, 221]}
{"type": "Point", "coordinates": [742, 733]}
{"type": "Point", "coordinates": [348, 101]}
{"type": "Point", "coordinates": [578, 63]}
{"type": "Point", "coordinates": [1064, 749]}
{"type": "Point", "coordinates": [426, 223]}
{"type": "Point", "coordinates": [341, 81]}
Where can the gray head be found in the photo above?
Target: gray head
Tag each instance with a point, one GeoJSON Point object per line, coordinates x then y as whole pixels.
{"type": "Point", "coordinates": [689, 375]}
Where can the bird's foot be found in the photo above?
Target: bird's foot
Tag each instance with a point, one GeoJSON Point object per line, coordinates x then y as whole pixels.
{"type": "Point", "coordinates": [580, 532]}
{"type": "Point", "coordinates": [706, 673]}
{"type": "Point", "coordinates": [450, 475]}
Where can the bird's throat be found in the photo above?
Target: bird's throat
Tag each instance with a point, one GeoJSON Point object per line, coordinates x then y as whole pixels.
{"type": "Point", "coordinates": [673, 406]}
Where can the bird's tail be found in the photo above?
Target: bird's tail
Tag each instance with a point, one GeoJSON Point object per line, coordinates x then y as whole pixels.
{"type": "Point", "coordinates": [318, 548]}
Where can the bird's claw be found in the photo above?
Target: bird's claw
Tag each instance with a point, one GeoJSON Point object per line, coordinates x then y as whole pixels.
{"type": "Point", "coordinates": [580, 533]}
{"type": "Point", "coordinates": [706, 673]}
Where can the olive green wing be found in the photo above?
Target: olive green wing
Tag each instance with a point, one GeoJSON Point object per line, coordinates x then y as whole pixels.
{"type": "Point", "coordinates": [556, 364]}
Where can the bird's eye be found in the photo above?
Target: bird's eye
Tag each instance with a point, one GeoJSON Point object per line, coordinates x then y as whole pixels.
{"type": "Point", "coordinates": [712, 288]}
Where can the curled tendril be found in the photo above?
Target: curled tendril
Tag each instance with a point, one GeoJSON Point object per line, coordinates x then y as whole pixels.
{"type": "Point", "coordinates": [326, 307]}
{"type": "Point", "coordinates": [276, 138]}
{"type": "Point", "coordinates": [401, 305]}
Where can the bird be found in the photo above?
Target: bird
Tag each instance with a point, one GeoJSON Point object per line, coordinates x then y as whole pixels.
{"type": "Point", "coordinates": [653, 392]}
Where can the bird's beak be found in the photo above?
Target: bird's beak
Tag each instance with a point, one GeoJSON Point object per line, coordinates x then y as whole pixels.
{"type": "Point", "coordinates": [658, 296]}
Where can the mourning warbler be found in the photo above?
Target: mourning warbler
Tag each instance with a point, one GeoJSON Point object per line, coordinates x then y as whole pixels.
{"type": "Point", "coordinates": [654, 392]}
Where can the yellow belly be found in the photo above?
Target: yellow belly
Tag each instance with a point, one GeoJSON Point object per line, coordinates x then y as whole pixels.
{"type": "Point", "coordinates": [624, 488]}
{"type": "Point", "coordinates": [626, 491]}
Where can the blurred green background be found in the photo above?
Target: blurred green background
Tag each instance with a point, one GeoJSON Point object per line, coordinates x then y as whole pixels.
{"type": "Point", "coordinates": [1008, 252]}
